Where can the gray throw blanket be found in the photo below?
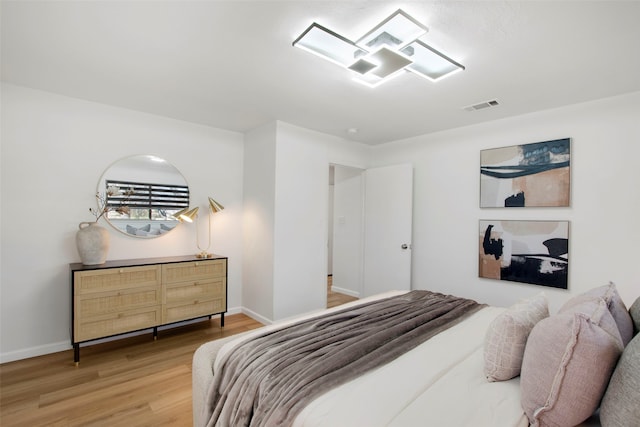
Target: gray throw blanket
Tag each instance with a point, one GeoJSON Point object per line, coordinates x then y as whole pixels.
{"type": "Point", "coordinates": [269, 379]}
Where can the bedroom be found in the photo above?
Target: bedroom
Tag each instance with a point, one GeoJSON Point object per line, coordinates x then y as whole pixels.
{"type": "Point", "coordinates": [47, 135]}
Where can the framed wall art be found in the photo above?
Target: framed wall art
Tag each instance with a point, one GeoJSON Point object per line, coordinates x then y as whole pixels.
{"type": "Point", "coordinates": [535, 252]}
{"type": "Point", "coordinates": [536, 174]}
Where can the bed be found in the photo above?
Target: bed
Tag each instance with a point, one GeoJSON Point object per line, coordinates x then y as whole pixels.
{"type": "Point", "coordinates": [445, 379]}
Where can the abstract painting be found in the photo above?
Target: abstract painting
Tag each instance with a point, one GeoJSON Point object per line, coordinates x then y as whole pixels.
{"type": "Point", "coordinates": [535, 174]}
{"type": "Point", "coordinates": [535, 252]}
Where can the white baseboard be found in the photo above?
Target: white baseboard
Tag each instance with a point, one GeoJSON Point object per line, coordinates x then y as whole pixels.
{"type": "Point", "coordinates": [233, 310]}
{"type": "Point", "coordinates": [345, 291]}
{"type": "Point", "coordinates": [40, 350]}
{"type": "Point", "coordinates": [255, 316]}
{"type": "Point", "coordinates": [66, 345]}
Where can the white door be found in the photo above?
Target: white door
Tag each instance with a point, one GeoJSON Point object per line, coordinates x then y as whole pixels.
{"type": "Point", "coordinates": [387, 228]}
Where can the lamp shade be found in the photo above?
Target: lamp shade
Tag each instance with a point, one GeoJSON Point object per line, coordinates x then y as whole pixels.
{"type": "Point", "coordinates": [180, 212]}
{"type": "Point", "coordinates": [215, 206]}
{"type": "Point", "coordinates": [188, 216]}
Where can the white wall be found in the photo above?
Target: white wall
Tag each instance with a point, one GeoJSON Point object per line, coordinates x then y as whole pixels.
{"type": "Point", "coordinates": [301, 228]}
{"type": "Point", "coordinates": [330, 225]}
{"type": "Point", "coordinates": [604, 227]}
{"type": "Point", "coordinates": [289, 271]}
{"type": "Point", "coordinates": [54, 150]}
{"type": "Point", "coordinates": [348, 238]}
{"type": "Point", "coordinates": [259, 221]}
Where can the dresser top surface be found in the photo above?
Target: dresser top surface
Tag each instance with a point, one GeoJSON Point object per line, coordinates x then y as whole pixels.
{"type": "Point", "coordinates": [78, 266]}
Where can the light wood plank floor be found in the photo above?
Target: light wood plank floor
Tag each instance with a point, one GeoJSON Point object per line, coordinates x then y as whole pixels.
{"type": "Point", "coordinates": [336, 298]}
{"type": "Point", "coordinates": [129, 382]}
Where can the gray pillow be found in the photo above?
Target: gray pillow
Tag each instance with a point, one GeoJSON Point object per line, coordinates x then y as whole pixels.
{"type": "Point", "coordinates": [142, 231]}
{"type": "Point", "coordinates": [621, 403]}
{"type": "Point", "coordinates": [634, 311]}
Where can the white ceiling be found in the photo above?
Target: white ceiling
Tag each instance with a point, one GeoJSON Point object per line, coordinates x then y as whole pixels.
{"type": "Point", "coordinates": [231, 65]}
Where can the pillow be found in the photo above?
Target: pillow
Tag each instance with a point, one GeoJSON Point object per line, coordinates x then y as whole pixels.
{"type": "Point", "coordinates": [567, 364]}
{"type": "Point", "coordinates": [621, 402]}
{"type": "Point", "coordinates": [616, 306]}
{"type": "Point", "coordinates": [142, 231]}
{"type": "Point", "coordinates": [634, 311]}
{"type": "Point", "coordinates": [507, 335]}
{"type": "Point", "coordinates": [164, 227]}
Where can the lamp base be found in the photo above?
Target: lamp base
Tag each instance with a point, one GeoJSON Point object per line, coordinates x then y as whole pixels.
{"type": "Point", "coordinates": [204, 254]}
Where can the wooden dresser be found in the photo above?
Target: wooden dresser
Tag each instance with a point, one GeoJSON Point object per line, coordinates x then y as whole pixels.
{"type": "Point", "coordinates": [124, 296]}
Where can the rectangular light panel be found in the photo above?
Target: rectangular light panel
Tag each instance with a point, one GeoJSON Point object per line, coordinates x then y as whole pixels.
{"type": "Point", "coordinates": [428, 62]}
{"type": "Point", "coordinates": [400, 25]}
{"type": "Point", "coordinates": [329, 45]}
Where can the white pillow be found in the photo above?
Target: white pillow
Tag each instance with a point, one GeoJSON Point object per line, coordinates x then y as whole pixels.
{"type": "Point", "coordinates": [507, 335]}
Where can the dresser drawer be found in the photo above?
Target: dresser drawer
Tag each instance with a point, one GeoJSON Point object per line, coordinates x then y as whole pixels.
{"type": "Point", "coordinates": [116, 323]}
{"type": "Point", "coordinates": [113, 279]}
{"type": "Point", "coordinates": [195, 290]}
{"type": "Point", "coordinates": [195, 270]}
{"type": "Point", "coordinates": [90, 305]}
{"type": "Point", "coordinates": [196, 308]}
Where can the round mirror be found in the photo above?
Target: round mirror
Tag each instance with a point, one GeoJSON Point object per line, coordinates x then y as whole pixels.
{"type": "Point", "coordinates": [142, 194]}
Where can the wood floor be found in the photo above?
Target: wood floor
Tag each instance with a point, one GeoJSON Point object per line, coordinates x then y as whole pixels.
{"type": "Point", "coordinates": [130, 382]}
{"type": "Point", "coordinates": [335, 298]}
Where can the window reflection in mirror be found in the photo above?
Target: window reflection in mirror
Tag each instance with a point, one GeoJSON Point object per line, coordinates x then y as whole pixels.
{"type": "Point", "coordinates": [143, 194]}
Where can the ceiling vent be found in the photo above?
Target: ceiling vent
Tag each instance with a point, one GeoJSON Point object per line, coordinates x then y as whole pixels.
{"type": "Point", "coordinates": [482, 105]}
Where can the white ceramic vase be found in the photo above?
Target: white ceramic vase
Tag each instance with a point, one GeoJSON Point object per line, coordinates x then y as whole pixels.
{"type": "Point", "coordinates": [92, 242]}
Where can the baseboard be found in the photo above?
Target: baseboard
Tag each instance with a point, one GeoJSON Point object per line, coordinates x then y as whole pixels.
{"type": "Point", "coordinates": [30, 352]}
{"type": "Point", "coordinates": [345, 291]}
{"type": "Point", "coordinates": [42, 350]}
{"type": "Point", "coordinates": [255, 316]}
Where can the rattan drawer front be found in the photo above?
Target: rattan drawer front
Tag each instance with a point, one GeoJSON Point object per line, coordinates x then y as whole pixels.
{"type": "Point", "coordinates": [202, 289]}
{"type": "Point", "coordinates": [196, 308]}
{"type": "Point", "coordinates": [195, 270]}
{"type": "Point", "coordinates": [114, 279]}
{"type": "Point", "coordinates": [111, 302]}
{"type": "Point", "coordinates": [117, 323]}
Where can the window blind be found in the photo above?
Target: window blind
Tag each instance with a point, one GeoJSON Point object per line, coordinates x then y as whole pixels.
{"type": "Point", "coordinates": [148, 196]}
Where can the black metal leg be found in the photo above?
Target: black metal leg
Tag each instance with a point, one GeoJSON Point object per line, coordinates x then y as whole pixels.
{"type": "Point", "coordinates": [76, 353]}
{"type": "Point", "coordinates": [222, 320]}
{"type": "Point", "coordinates": [155, 333]}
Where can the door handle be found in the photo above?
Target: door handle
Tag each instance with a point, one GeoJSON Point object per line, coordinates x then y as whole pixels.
{"type": "Point", "coordinates": [404, 246]}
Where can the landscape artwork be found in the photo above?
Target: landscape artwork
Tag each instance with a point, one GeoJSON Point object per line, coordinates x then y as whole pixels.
{"type": "Point", "coordinates": [536, 174]}
{"type": "Point", "coordinates": [535, 252]}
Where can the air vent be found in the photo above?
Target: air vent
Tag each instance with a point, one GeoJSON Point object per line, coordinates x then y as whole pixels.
{"type": "Point", "coordinates": [482, 105]}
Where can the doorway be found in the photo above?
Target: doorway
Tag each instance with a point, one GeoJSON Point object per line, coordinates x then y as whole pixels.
{"type": "Point", "coordinates": [370, 223]}
{"type": "Point", "coordinates": [345, 240]}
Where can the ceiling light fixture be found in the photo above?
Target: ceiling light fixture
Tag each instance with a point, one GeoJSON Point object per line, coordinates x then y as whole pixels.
{"type": "Point", "coordinates": [389, 49]}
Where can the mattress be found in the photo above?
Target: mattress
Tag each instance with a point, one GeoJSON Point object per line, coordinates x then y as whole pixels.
{"type": "Point", "coordinates": [439, 383]}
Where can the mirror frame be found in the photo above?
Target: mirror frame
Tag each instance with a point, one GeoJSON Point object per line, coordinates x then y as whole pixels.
{"type": "Point", "coordinates": [148, 172]}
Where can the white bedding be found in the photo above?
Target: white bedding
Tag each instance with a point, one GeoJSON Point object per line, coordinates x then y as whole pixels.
{"type": "Point", "coordinates": [439, 383]}
{"type": "Point", "coordinates": [431, 385]}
